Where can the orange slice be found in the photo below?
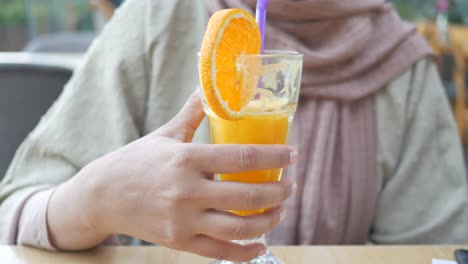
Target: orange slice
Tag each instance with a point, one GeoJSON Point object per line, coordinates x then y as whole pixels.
{"type": "Point", "coordinates": [230, 33]}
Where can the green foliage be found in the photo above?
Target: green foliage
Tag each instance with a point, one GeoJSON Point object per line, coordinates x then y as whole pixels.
{"type": "Point", "coordinates": [12, 13]}
{"type": "Point", "coordinates": [425, 9]}
{"type": "Point", "coordinates": [415, 9]}
{"type": "Point", "coordinates": [457, 11]}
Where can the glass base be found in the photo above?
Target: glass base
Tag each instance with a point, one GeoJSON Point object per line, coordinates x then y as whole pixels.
{"type": "Point", "coordinates": [268, 258]}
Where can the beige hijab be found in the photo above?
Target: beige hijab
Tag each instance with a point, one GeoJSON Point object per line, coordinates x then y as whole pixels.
{"type": "Point", "coordinates": [351, 50]}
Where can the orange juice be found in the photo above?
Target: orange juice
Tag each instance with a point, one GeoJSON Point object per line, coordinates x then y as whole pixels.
{"type": "Point", "coordinates": [270, 129]}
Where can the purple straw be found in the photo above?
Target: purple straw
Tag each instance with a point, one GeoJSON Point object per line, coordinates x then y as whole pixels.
{"type": "Point", "coordinates": [260, 16]}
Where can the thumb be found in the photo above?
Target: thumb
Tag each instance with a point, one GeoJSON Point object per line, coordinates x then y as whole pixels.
{"type": "Point", "coordinates": [183, 126]}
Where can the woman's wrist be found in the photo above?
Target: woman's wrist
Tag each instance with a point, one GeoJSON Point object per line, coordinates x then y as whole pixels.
{"type": "Point", "coordinates": [92, 181]}
{"type": "Point", "coordinates": [75, 219]}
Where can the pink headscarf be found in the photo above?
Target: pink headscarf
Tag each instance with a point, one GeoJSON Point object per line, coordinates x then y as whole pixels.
{"type": "Point", "coordinates": [351, 50]}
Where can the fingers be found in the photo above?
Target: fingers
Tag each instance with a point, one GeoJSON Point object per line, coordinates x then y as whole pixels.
{"type": "Point", "coordinates": [227, 226]}
{"type": "Point", "coordinates": [185, 123]}
{"type": "Point", "coordinates": [240, 158]}
{"type": "Point", "coordinates": [225, 250]}
{"type": "Point", "coordinates": [227, 195]}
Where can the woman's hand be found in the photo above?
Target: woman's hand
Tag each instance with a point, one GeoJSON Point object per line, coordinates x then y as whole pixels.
{"type": "Point", "coordinates": [160, 188]}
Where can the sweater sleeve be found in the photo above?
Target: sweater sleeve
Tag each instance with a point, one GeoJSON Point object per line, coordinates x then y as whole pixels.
{"type": "Point", "coordinates": [32, 224]}
{"type": "Point", "coordinates": [423, 197]}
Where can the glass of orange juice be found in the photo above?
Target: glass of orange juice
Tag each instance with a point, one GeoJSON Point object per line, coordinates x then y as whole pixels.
{"type": "Point", "coordinates": [269, 87]}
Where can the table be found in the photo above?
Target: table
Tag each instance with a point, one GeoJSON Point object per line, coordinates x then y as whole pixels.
{"type": "Point", "coordinates": [63, 60]}
{"type": "Point", "coordinates": [295, 255]}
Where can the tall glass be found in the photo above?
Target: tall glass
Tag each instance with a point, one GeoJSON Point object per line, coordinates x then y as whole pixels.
{"type": "Point", "coordinates": [266, 119]}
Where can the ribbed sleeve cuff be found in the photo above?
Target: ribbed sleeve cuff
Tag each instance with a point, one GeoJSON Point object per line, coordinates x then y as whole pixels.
{"type": "Point", "coordinates": [33, 227]}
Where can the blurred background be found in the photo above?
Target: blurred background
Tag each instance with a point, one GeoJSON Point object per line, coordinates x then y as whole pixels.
{"type": "Point", "coordinates": [24, 21]}
{"type": "Point", "coordinates": [421, 10]}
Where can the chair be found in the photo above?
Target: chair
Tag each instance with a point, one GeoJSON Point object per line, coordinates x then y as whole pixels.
{"type": "Point", "coordinates": [444, 57]}
{"type": "Point", "coordinates": [26, 92]}
{"type": "Point", "coordinates": [429, 32]}
{"type": "Point", "coordinates": [452, 68]}
{"type": "Point", "coordinates": [459, 78]}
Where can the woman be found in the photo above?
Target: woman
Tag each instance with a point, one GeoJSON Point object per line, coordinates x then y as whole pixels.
{"type": "Point", "coordinates": [379, 157]}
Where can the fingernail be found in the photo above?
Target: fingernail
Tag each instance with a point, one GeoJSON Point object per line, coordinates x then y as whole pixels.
{"type": "Point", "coordinates": [293, 188]}
{"type": "Point", "coordinates": [293, 155]}
{"type": "Point", "coordinates": [282, 215]}
{"type": "Point", "coordinates": [262, 252]}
